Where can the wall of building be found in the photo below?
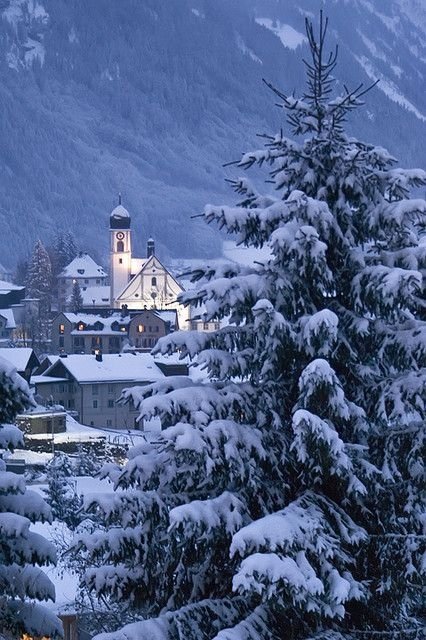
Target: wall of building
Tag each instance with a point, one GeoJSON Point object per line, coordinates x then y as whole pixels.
{"type": "Point", "coordinates": [145, 329]}
{"type": "Point", "coordinates": [95, 403]}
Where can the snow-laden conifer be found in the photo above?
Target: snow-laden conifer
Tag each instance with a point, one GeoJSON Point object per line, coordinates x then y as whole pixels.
{"type": "Point", "coordinates": [283, 498]}
{"type": "Point", "coordinates": [22, 552]}
{"type": "Point", "coordinates": [76, 301]}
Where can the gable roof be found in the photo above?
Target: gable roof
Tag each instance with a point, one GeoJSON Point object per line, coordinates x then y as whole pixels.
{"type": "Point", "coordinates": [145, 266]}
{"type": "Point", "coordinates": [20, 357]}
{"type": "Point", "coordinates": [115, 367]}
{"type": "Point", "coordinates": [83, 266]}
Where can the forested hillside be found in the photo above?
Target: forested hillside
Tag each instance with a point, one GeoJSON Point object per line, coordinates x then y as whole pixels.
{"type": "Point", "coordinates": [150, 97]}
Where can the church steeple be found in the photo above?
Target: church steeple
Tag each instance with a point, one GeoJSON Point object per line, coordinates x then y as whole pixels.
{"type": "Point", "coordinates": [120, 250]}
{"type": "Point", "coordinates": [120, 217]}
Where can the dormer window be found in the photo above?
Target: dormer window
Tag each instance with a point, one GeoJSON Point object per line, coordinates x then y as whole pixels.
{"type": "Point", "coordinates": [81, 326]}
{"type": "Point", "coordinates": [123, 329]}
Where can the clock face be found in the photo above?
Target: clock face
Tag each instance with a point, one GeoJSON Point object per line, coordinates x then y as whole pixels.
{"type": "Point", "coordinates": [120, 235]}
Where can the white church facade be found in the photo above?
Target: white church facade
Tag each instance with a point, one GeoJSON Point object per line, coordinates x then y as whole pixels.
{"type": "Point", "coordinates": [138, 283]}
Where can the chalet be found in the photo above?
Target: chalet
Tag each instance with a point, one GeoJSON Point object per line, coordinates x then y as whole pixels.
{"type": "Point", "coordinates": [91, 385]}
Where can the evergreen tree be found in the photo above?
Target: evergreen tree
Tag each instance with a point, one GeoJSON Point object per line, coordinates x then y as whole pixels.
{"type": "Point", "coordinates": [39, 280]}
{"type": "Point", "coordinates": [87, 463]}
{"type": "Point", "coordinates": [61, 494]}
{"type": "Point", "coordinates": [22, 582]}
{"type": "Point", "coordinates": [76, 302]}
{"type": "Point", "coordinates": [21, 272]}
{"type": "Point", "coordinates": [63, 252]}
{"type": "Point", "coordinates": [283, 498]}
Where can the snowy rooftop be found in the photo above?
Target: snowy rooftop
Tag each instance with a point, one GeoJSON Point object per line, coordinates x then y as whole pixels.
{"type": "Point", "coordinates": [96, 296]}
{"type": "Point", "coordinates": [90, 320]}
{"type": "Point", "coordinates": [17, 357]}
{"type": "Point", "coordinates": [115, 367]}
{"type": "Point", "coordinates": [83, 267]}
{"type": "Point", "coordinates": [9, 286]}
{"type": "Point", "coordinates": [9, 317]}
{"type": "Point", "coordinates": [41, 379]}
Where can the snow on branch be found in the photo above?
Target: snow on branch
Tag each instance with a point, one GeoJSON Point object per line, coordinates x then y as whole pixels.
{"type": "Point", "coordinates": [198, 517]}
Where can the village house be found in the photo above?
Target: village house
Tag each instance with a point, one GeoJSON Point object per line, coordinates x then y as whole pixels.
{"type": "Point", "coordinates": [84, 270]}
{"type": "Point", "coordinates": [90, 385]}
{"type": "Point", "coordinates": [111, 331]}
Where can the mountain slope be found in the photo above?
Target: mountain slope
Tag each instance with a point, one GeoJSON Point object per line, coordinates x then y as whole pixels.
{"type": "Point", "coordinates": [150, 98]}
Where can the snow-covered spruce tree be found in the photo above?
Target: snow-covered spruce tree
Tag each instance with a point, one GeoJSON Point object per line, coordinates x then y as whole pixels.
{"type": "Point", "coordinates": [39, 279]}
{"type": "Point", "coordinates": [61, 495]}
{"type": "Point", "coordinates": [76, 301]}
{"type": "Point", "coordinates": [39, 285]}
{"type": "Point", "coordinates": [22, 552]}
{"type": "Point", "coordinates": [283, 498]}
{"type": "Point", "coordinates": [63, 251]}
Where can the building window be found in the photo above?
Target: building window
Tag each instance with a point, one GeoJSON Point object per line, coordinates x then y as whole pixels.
{"type": "Point", "coordinates": [86, 282]}
{"type": "Point", "coordinates": [157, 329]}
{"type": "Point", "coordinates": [81, 271]}
{"type": "Point", "coordinates": [81, 327]}
{"type": "Point", "coordinates": [61, 329]}
{"type": "Point", "coordinates": [61, 341]}
{"type": "Point", "coordinates": [110, 388]}
{"type": "Point", "coordinates": [141, 328]}
{"type": "Point", "coordinates": [95, 404]}
{"type": "Point", "coordinates": [138, 342]}
{"type": "Point", "coordinates": [92, 424]}
{"type": "Point", "coordinates": [120, 261]}
{"type": "Point", "coordinates": [153, 281]}
{"type": "Point", "coordinates": [110, 404]}
{"type": "Point", "coordinates": [95, 389]}
{"type": "Point", "coordinates": [206, 326]}
{"type": "Point", "coordinates": [98, 281]}
{"type": "Point", "coordinates": [71, 403]}
{"type": "Point", "coordinates": [109, 423]}
{"type": "Point", "coordinates": [120, 246]}
{"type": "Point", "coordinates": [123, 329]}
{"type": "Point", "coordinates": [61, 388]}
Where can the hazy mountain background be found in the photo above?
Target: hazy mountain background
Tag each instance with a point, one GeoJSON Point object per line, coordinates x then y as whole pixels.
{"type": "Point", "coordinates": [150, 97]}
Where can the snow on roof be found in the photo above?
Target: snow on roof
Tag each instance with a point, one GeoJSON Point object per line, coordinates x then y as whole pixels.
{"type": "Point", "coordinates": [91, 319]}
{"type": "Point", "coordinates": [41, 379]}
{"type": "Point", "coordinates": [137, 264]}
{"type": "Point", "coordinates": [83, 266]}
{"type": "Point", "coordinates": [9, 286]}
{"type": "Point", "coordinates": [18, 357]}
{"type": "Point", "coordinates": [114, 367]}
{"type": "Point", "coordinates": [166, 315]}
{"type": "Point", "coordinates": [120, 212]}
{"type": "Point", "coordinates": [9, 317]}
{"type": "Point", "coordinates": [96, 296]}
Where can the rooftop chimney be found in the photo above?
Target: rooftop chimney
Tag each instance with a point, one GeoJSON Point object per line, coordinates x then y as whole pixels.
{"type": "Point", "coordinates": [150, 248]}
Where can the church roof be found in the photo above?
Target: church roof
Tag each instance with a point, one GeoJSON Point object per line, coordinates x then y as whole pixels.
{"type": "Point", "coordinates": [83, 267]}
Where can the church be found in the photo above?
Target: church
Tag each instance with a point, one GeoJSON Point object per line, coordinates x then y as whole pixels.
{"type": "Point", "coordinates": [138, 283]}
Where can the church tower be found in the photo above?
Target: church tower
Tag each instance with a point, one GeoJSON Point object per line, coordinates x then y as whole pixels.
{"type": "Point", "coordinates": [120, 250]}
